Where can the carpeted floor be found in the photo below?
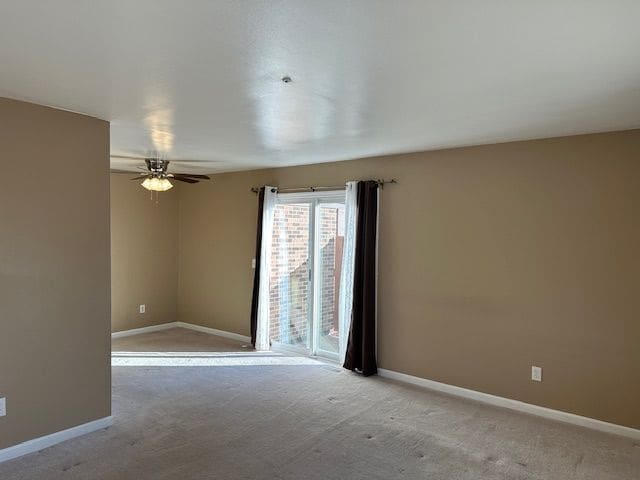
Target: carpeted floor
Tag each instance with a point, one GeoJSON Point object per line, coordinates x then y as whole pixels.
{"type": "Point", "coordinates": [312, 421]}
{"type": "Point", "coordinates": [178, 340]}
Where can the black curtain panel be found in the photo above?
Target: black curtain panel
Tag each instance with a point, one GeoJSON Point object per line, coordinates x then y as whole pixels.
{"type": "Point", "coordinates": [361, 346]}
{"type": "Point", "coordinates": [256, 272]}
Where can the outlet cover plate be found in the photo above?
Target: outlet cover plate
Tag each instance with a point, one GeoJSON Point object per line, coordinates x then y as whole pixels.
{"type": "Point", "coordinates": [3, 407]}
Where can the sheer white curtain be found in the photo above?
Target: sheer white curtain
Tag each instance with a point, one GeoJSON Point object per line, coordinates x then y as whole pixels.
{"type": "Point", "coordinates": [262, 330]}
{"type": "Point", "coordinates": [348, 259]}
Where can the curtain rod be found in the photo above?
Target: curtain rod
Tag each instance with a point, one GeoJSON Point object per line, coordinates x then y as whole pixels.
{"type": "Point", "coordinates": [380, 182]}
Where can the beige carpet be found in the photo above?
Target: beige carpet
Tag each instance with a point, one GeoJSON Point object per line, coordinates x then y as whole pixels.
{"type": "Point", "coordinates": [311, 422]}
{"type": "Point", "coordinates": [178, 340]}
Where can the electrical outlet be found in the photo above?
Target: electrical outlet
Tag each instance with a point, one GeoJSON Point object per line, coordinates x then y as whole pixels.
{"type": "Point", "coordinates": [536, 374]}
{"type": "Point", "coordinates": [3, 407]}
{"type": "Point", "coordinates": [253, 263]}
{"type": "Point", "coordinates": [143, 308]}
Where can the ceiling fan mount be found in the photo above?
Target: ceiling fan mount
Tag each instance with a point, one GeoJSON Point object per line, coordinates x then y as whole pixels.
{"type": "Point", "coordinates": [157, 166]}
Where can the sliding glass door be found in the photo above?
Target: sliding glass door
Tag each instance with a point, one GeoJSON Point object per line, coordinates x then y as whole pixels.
{"type": "Point", "coordinates": [329, 238]}
{"type": "Point", "coordinates": [290, 290]}
{"type": "Point", "coordinates": [306, 264]}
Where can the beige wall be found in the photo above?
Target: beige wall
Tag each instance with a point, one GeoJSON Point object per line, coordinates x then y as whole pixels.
{"type": "Point", "coordinates": [144, 255]}
{"type": "Point", "coordinates": [54, 270]}
{"type": "Point", "coordinates": [492, 259]}
{"type": "Point", "coordinates": [217, 243]}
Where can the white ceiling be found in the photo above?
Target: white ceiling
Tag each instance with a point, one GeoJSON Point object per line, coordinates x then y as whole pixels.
{"type": "Point", "coordinates": [201, 80]}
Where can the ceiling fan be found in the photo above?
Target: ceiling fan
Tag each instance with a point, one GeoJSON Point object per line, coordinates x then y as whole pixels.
{"type": "Point", "coordinates": [159, 180]}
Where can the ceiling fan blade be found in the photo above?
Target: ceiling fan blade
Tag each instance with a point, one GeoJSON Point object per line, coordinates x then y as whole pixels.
{"type": "Point", "coordinates": [191, 175]}
{"type": "Point", "coordinates": [185, 179]}
{"type": "Point", "coordinates": [138, 178]}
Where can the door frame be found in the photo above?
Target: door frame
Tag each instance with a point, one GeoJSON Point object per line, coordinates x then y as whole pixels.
{"type": "Point", "coordinates": [313, 199]}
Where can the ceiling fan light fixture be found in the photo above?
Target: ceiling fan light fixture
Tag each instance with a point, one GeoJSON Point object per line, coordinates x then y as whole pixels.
{"type": "Point", "coordinates": [156, 184]}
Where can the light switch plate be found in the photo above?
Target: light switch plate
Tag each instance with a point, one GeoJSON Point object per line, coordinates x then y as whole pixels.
{"type": "Point", "coordinates": [253, 263]}
{"type": "Point", "coordinates": [536, 374]}
{"type": "Point", "coordinates": [143, 308]}
{"type": "Point", "coordinates": [3, 407]}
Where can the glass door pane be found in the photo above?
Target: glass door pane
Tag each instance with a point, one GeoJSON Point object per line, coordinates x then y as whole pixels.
{"type": "Point", "coordinates": [290, 289]}
{"type": "Point", "coordinates": [329, 239]}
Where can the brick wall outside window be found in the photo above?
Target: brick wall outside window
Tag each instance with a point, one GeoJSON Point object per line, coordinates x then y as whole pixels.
{"type": "Point", "coordinates": [290, 285]}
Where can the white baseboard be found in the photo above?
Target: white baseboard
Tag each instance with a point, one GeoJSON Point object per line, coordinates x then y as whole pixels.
{"type": "Point", "coordinates": [41, 443]}
{"type": "Point", "coordinates": [152, 328]}
{"type": "Point", "coordinates": [190, 326]}
{"type": "Point", "coordinates": [514, 404]}
{"type": "Point", "coordinates": [215, 331]}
